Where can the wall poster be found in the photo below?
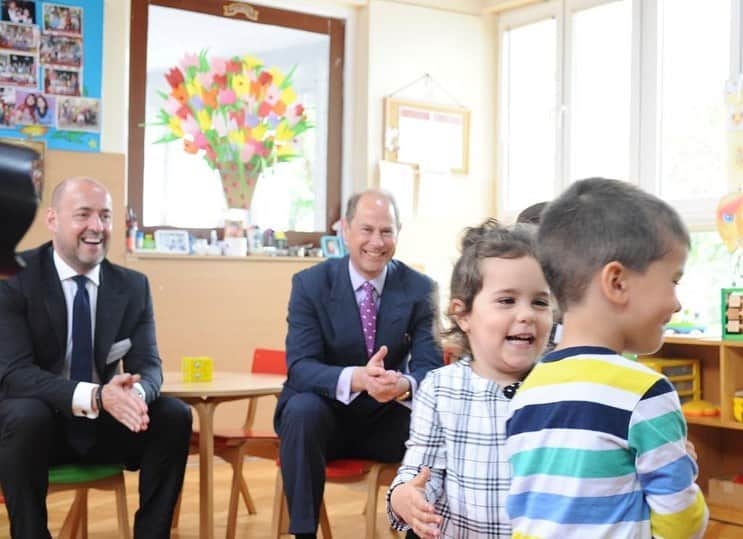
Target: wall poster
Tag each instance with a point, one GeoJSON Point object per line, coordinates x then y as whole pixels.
{"type": "Point", "coordinates": [51, 56]}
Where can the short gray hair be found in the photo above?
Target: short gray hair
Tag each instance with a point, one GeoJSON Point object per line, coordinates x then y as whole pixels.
{"type": "Point", "coordinates": [353, 202]}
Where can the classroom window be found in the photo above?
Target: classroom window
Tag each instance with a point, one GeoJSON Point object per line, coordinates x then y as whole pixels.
{"type": "Point", "coordinates": [624, 100]}
{"type": "Point", "coordinates": [692, 110]}
{"type": "Point", "coordinates": [600, 97]}
{"type": "Point", "coordinates": [528, 117]}
{"type": "Point", "coordinates": [709, 267]}
{"type": "Point", "coordinates": [170, 188]}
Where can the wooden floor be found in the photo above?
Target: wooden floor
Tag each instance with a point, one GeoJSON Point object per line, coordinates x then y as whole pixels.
{"type": "Point", "coordinates": [345, 504]}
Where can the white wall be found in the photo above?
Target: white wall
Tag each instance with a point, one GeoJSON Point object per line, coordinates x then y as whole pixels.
{"type": "Point", "coordinates": [405, 42]}
{"type": "Point", "coordinates": [115, 91]}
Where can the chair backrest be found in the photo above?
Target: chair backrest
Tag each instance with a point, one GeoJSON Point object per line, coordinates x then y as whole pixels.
{"type": "Point", "coordinates": [266, 361]}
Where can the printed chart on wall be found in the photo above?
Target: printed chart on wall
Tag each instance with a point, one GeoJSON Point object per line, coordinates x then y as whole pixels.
{"type": "Point", "coordinates": [50, 72]}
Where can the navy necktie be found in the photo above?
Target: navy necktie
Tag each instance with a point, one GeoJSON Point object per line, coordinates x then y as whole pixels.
{"type": "Point", "coordinates": [82, 430]}
{"type": "Point", "coordinates": [81, 360]}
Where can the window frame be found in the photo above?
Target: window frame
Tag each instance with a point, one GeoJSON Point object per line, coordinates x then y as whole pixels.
{"type": "Point", "coordinates": [334, 28]}
{"type": "Point", "coordinates": [643, 168]}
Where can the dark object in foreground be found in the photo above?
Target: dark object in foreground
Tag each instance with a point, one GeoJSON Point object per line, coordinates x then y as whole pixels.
{"type": "Point", "coordinates": [20, 193]}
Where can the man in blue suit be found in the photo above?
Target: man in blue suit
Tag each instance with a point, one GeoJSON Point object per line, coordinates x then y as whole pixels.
{"type": "Point", "coordinates": [361, 338]}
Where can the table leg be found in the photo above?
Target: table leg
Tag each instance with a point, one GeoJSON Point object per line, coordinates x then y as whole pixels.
{"type": "Point", "coordinates": [205, 411]}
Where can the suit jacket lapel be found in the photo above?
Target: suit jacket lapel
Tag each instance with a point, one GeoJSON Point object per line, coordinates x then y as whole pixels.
{"type": "Point", "coordinates": [109, 311]}
{"type": "Point", "coordinates": [392, 307]}
{"type": "Point", "coordinates": [56, 308]}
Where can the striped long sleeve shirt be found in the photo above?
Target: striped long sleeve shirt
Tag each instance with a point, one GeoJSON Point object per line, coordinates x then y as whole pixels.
{"type": "Point", "coordinates": [597, 445]}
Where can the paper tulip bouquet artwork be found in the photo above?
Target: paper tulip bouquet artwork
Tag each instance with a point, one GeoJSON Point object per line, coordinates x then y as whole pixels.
{"type": "Point", "coordinates": [242, 116]}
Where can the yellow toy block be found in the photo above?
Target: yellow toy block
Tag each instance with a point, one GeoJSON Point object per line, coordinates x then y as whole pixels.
{"type": "Point", "coordinates": [196, 369]}
{"type": "Point", "coordinates": [738, 406]}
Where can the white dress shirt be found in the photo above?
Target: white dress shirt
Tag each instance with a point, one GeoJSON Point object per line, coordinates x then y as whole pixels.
{"type": "Point", "coordinates": [343, 389]}
{"type": "Point", "coordinates": [82, 398]}
{"type": "Point", "coordinates": [83, 395]}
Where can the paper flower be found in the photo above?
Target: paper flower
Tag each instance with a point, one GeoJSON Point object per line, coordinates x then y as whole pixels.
{"type": "Point", "coordinates": [241, 116]}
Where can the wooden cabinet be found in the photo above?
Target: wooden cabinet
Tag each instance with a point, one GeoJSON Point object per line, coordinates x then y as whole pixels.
{"type": "Point", "coordinates": [718, 440]}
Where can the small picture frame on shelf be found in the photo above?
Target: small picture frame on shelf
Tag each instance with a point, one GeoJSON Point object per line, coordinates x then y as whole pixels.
{"type": "Point", "coordinates": [731, 307]}
{"type": "Point", "coordinates": [172, 241]}
{"type": "Point", "coordinates": [332, 247]}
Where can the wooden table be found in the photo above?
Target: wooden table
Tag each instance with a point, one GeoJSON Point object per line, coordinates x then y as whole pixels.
{"type": "Point", "coordinates": [204, 397]}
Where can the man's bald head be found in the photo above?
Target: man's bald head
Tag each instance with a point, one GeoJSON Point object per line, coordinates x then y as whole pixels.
{"type": "Point", "coordinates": [61, 188]}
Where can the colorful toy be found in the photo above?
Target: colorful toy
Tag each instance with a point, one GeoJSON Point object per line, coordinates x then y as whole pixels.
{"type": "Point", "coordinates": [732, 313]}
{"type": "Point", "coordinates": [729, 220]}
{"type": "Point", "coordinates": [738, 406]}
{"type": "Point", "coordinates": [700, 408]}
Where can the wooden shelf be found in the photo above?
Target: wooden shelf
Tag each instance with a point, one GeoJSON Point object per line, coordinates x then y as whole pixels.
{"type": "Point", "coordinates": [696, 341]}
{"type": "Point", "coordinates": [154, 255]}
{"type": "Point", "coordinates": [718, 440]}
{"type": "Point", "coordinates": [714, 422]}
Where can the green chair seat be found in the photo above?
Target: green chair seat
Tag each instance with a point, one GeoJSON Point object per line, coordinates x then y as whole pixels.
{"type": "Point", "coordinates": [82, 473]}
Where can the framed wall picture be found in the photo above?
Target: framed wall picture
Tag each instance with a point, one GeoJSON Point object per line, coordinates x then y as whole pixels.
{"type": "Point", "coordinates": [172, 241]}
{"type": "Point", "coordinates": [332, 247]}
{"type": "Point", "coordinates": [431, 136]}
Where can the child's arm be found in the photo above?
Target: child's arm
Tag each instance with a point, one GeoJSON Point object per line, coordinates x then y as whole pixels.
{"type": "Point", "coordinates": [667, 473]}
{"type": "Point", "coordinates": [408, 503]}
{"type": "Point", "coordinates": [425, 449]}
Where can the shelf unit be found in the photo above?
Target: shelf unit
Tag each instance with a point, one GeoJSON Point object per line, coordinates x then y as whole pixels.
{"type": "Point", "coordinates": [718, 440]}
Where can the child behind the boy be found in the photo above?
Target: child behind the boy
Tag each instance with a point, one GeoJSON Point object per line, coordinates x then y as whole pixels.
{"type": "Point", "coordinates": [500, 315]}
{"type": "Point", "coordinates": [597, 441]}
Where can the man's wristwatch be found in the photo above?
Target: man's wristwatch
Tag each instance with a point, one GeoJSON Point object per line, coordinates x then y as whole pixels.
{"type": "Point", "coordinates": [404, 397]}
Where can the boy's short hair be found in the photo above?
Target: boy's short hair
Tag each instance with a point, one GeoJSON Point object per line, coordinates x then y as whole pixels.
{"type": "Point", "coordinates": [531, 214]}
{"type": "Point", "coordinates": [597, 221]}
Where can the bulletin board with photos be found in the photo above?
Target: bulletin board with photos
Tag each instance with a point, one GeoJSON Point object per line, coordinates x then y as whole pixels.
{"type": "Point", "coordinates": [50, 72]}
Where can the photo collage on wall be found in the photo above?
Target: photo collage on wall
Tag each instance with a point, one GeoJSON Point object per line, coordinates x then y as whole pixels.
{"type": "Point", "coordinates": [41, 67]}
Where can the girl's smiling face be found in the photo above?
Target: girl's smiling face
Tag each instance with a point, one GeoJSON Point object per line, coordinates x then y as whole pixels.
{"type": "Point", "coordinates": [510, 320]}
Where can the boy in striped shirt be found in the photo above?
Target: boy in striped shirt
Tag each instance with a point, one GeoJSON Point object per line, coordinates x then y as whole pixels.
{"type": "Point", "coordinates": [597, 442]}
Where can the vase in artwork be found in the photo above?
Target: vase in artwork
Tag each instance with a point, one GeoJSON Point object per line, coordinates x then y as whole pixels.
{"type": "Point", "coordinates": [238, 183]}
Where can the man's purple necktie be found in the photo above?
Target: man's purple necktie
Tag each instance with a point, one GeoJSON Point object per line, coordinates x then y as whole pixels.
{"type": "Point", "coordinates": [368, 310]}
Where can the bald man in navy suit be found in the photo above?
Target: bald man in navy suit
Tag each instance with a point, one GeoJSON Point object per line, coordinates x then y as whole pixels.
{"type": "Point", "coordinates": [55, 411]}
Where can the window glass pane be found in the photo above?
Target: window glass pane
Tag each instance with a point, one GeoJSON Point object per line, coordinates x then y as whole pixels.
{"type": "Point", "coordinates": [528, 91]}
{"type": "Point", "coordinates": [709, 268]}
{"type": "Point", "coordinates": [180, 189]}
{"type": "Point", "coordinates": [600, 91]}
{"type": "Point", "coordinates": [694, 65]}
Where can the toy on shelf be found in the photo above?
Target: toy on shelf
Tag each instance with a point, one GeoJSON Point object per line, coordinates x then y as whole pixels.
{"type": "Point", "coordinates": [732, 313]}
{"type": "Point", "coordinates": [685, 323]}
{"type": "Point", "coordinates": [738, 406]}
{"type": "Point", "coordinates": [682, 373]}
{"type": "Point", "coordinates": [700, 408]}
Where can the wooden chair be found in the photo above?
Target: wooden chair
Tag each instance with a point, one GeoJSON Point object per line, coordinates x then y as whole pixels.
{"type": "Point", "coordinates": [81, 478]}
